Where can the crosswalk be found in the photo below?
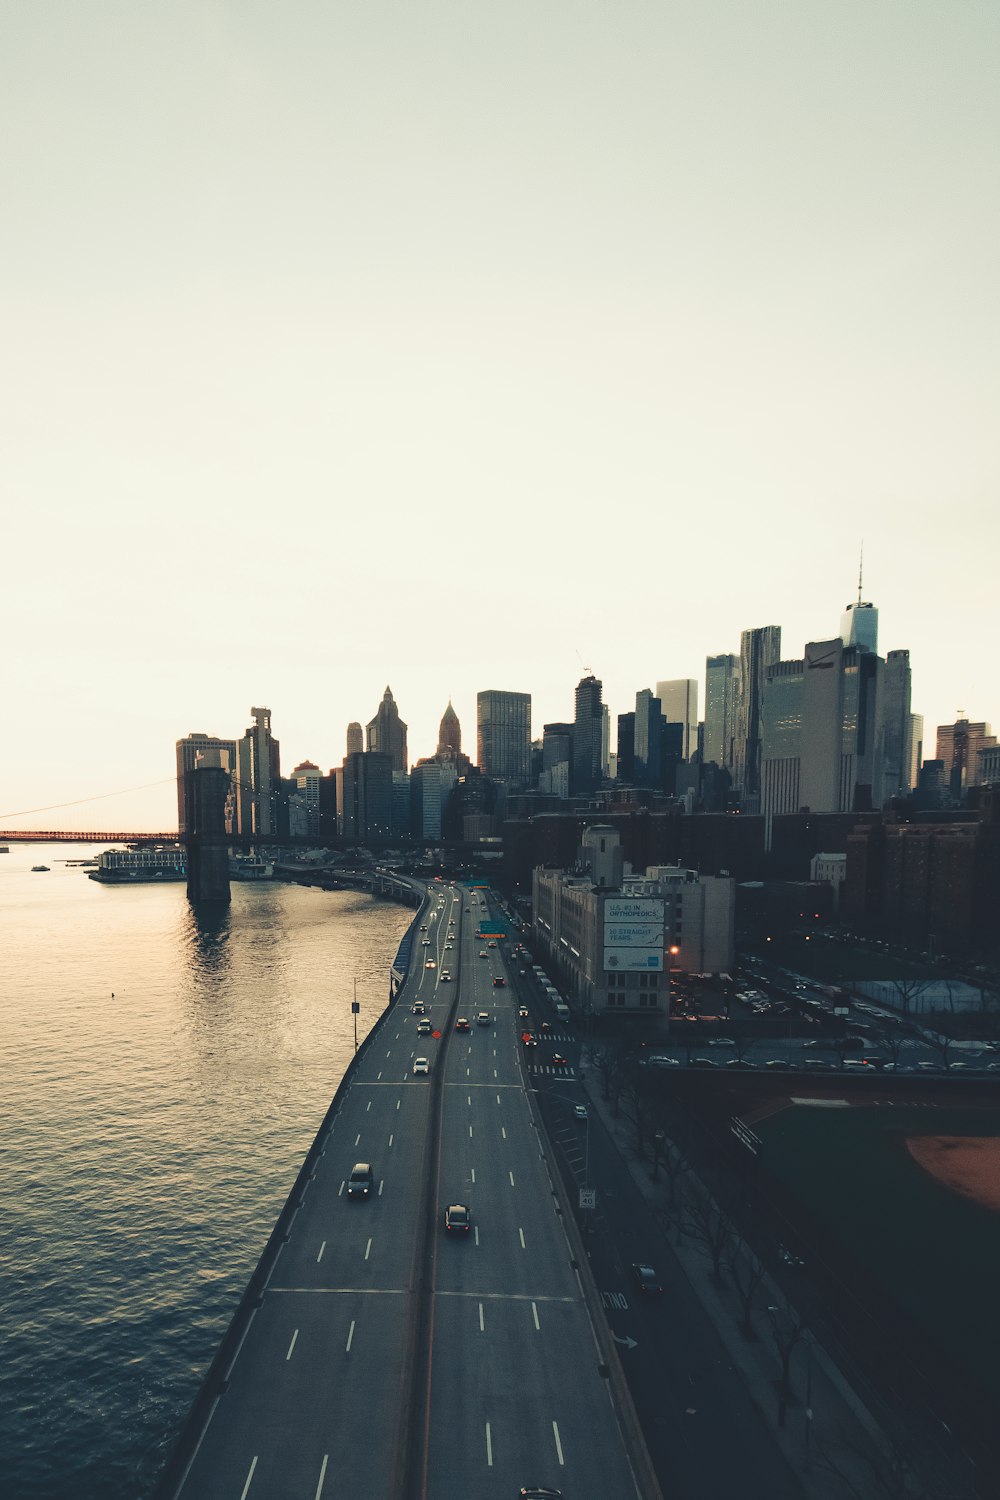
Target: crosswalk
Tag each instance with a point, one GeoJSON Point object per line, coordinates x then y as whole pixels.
{"type": "Point", "coordinates": [540, 1069]}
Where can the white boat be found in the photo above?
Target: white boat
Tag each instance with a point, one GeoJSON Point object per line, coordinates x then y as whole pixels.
{"type": "Point", "coordinates": [250, 867]}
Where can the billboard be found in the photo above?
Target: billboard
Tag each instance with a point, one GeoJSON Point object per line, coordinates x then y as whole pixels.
{"type": "Point", "coordinates": [633, 934]}
{"type": "Point", "coordinates": [633, 960]}
{"type": "Point", "coordinates": [633, 909]}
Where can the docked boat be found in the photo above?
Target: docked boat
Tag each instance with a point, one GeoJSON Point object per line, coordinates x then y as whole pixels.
{"type": "Point", "coordinates": [37, 869]}
{"type": "Point", "coordinates": [132, 866]}
{"type": "Point", "coordinates": [250, 867]}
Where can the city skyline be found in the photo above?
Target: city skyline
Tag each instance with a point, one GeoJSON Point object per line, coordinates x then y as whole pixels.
{"type": "Point", "coordinates": [467, 355]}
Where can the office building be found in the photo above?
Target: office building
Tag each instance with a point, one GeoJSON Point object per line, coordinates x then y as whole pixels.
{"type": "Point", "coordinates": [896, 723]}
{"type": "Point", "coordinates": [626, 748]}
{"type": "Point", "coordinates": [355, 738]}
{"type": "Point", "coordinates": [402, 811]}
{"type": "Point", "coordinates": [760, 649]}
{"type": "Point", "coordinates": [306, 780]}
{"type": "Point", "coordinates": [958, 747]}
{"type": "Point", "coordinates": [503, 736]}
{"type": "Point", "coordinates": [722, 683]}
{"type": "Point", "coordinates": [647, 742]}
{"type": "Point", "coordinates": [387, 732]}
{"type": "Point", "coordinates": [916, 747]}
{"type": "Point", "coordinates": [859, 622]}
{"type": "Point", "coordinates": [365, 798]}
{"type": "Point", "coordinates": [820, 739]}
{"type": "Point", "coordinates": [258, 774]}
{"type": "Point", "coordinates": [449, 734]}
{"type": "Point", "coordinates": [187, 752]}
{"type": "Point", "coordinates": [605, 742]}
{"type": "Point", "coordinates": [426, 804]}
{"type": "Point", "coordinates": [588, 734]}
{"type": "Point", "coordinates": [988, 766]}
{"type": "Point", "coordinates": [679, 702]}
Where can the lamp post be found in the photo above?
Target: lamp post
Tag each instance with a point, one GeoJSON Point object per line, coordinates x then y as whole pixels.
{"type": "Point", "coordinates": [672, 953]}
{"type": "Point", "coordinates": [807, 1335]}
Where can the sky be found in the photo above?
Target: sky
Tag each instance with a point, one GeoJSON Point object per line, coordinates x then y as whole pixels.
{"type": "Point", "coordinates": [455, 346]}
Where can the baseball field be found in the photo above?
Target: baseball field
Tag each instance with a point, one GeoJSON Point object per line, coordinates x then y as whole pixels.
{"type": "Point", "coordinates": [914, 1193]}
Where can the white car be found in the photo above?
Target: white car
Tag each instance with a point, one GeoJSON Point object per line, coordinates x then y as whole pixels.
{"type": "Point", "coordinates": [421, 1065]}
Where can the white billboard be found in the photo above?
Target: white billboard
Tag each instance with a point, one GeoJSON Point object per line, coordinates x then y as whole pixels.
{"type": "Point", "coordinates": [633, 960]}
{"type": "Point", "coordinates": [633, 909]}
{"type": "Point", "coordinates": [633, 934]}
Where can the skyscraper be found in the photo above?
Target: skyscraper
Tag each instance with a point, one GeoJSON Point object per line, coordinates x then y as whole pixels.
{"type": "Point", "coordinates": [588, 731]}
{"type": "Point", "coordinates": [679, 702]}
{"type": "Point", "coordinates": [449, 733]}
{"type": "Point", "coordinates": [958, 747]}
{"type": "Point", "coordinates": [503, 735]}
{"type": "Point", "coordinates": [859, 622]}
{"type": "Point", "coordinates": [821, 747]}
{"type": "Point", "coordinates": [759, 649]}
{"type": "Point", "coordinates": [896, 723]}
{"type": "Point", "coordinates": [647, 743]}
{"type": "Point", "coordinates": [258, 773]}
{"type": "Point", "coordinates": [364, 798]}
{"type": "Point", "coordinates": [355, 738]}
{"type": "Point", "coordinates": [722, 683]}
{"type": "Point", "coordinates": [387, 732]}
{"type": "Point", "coordinates": [188, 751]}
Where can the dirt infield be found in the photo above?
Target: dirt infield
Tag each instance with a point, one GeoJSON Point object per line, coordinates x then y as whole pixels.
{"type": "Point", "coordinates": [967, 1164]}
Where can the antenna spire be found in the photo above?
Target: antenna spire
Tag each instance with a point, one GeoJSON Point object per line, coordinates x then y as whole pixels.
{"type": "Point", "coordinates": [861, 568]}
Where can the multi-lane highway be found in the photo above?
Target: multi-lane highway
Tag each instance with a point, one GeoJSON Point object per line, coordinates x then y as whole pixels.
{"type": "Point", "coordinates": [386, 1357]}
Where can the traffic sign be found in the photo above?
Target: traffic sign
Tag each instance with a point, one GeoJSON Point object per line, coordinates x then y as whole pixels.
{"type": "Point", "coordinates": [588, 1197]}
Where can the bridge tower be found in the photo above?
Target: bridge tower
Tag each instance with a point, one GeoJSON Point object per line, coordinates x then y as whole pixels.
{"type": "Point", "coordinates": [206, 788]}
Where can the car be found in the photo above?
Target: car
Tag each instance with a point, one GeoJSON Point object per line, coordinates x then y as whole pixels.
{"type": "Point", "coordinates": [580, 1111]}
{"type": "Point", "coordinates": [457, 1219]}
{"type": "Point", "coordinates": [703, 1062]}
{"type": "Point", "coordinates": [491, 945]}
{"type": "Point", "coordinates": [928, 1067]}
{"type": "Point", "coordinates": [545, 1026]}
{"type": "Point", "coordinates": [361, 1181]}
{"type": "Point", "coordinates": [423, 927]}
{"type": "Point", "coordinates": [449, 945]}
{"type": "Point", "coordinates": [522, 1011]}
{"type": "Point", "coordinates": [424, 1026]}
{"type": "Point", "coordinates": [658, 1060]}
{"type": "Point", "coordinates": [445, 977]}
{"type": "Point", "coordinates": [462, 1024]}
{"type": "Point", "coordinates": [815, 1042]}
{"type": "Point", "coordinates": [522, 971]}
{"type": "Point", "coordinates": [646, 1280]}
{"type": "Point", "coordinates": [739, 1062]}
{"type": "Point", "coordinates": [530, 1040]}
{"type": "Point", "coordinates": [780, 1063]}
{"type": "Point", "coordinates": [484, 1018]}
{"type": "Point", "coordinates": [499, 981]}
{"type": "Point", "coordinates": [539, 1492]}
{"type": "Point", "coordinates": [417, 1008]}
{"type": "Point", "coordinates": [557, 1060]}
{"type": "Point", "coordinates": [815, 1064]}
{"type": "Point", "coordinates": [483, 953]}
{"type": "Point", "coordinates": [720, 1041]}
{"type": "Point", "coordinates": [430, 964]}
{"type": "Point", "coordinates": [853, 1064]}
{"type": "Point", "coordinates": [421, 1065]}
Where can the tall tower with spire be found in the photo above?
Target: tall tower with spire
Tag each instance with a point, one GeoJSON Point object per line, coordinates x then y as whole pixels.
{"type": "Point", "coordinates": [387, 732]}
{"type": "Point", "coordinates": [450, 733]}
{"type": "Point", "coordinates": [859, 622]}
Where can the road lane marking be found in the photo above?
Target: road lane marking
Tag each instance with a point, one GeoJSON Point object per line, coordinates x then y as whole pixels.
{"type": "Point", "coordinates": [489, 1447]}
{"type": "Point", "coordinates": [398, 1103]}
{"type": "Point", "coordinates": [495, 1073]}
{"type": "Point", "coordinates": [357, 1137]}
{"type": "Point", "coordinates": [511, 1176]}
{"type": "Point", "coordinates": [559, 1452]}
{"type": "Point", "coordinates": [388, 1052]}
{"type": "Point", "coordinates": [534, 1314]}
{"type": "Point", "coordinates": [350, 1337]}
{"type": "Point", "coordinates": [249, 1478]}
{"type": "Point", "coordinates": [381, 1185]}
{"type": "Point", "coordinates": [467, 1072]}
{"type": "Point", "coordinates": [368, 1249]}
{"type": "Point", "coordinates": [498, 1098]}
{"type": "Point", "coordinates": [368, 1106]}
{"type": "Point", "coordinates": [378, 1075]}
{"type": "Point", "coordinates": [320, 1255]}
{"type": "Point", "coordinates": [322, 1475]}
{"type": "Point", "coordinates": [468, 1099]}
{"type": "Point", "coordinates": [503, 1132]}
{"type": "Point", "coordinates": [291, 1346]}
{"type": "Point", "coordinates": [470, 1132]}
{"type": "Point", "coordinates": [391, 1139]}
{"type": "Point", "coordinates": [340, 1194]}
{"type": "Point", "coordinates": [521, 1236]}
{"type": "Point", "coordinates": [475, 1229]}
{"type": "Point", "coordinates": [482, 1320]}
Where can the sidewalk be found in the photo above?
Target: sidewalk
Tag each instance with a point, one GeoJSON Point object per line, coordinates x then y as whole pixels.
{"type": "Point", "coordinates": [840, 1423]}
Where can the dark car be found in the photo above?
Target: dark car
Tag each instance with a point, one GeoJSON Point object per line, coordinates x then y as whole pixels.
{"type": "Point", "coordinates": [457, 1218]}
{"type": "Point", "coordinates": [740, 1062]}
{"type": "Point", "coordinates": [703, 1062]}
{"type": "Point", "coordinates": [539, 1492]}
{"type": "Point", "coordinates": [462, 1024]}
{"type": "Point", "coordinates": [646, 1280]}
{"type": "Point", "coordinates": [361, 1180]}
{"type": "Point", "coordinates": [557, 1060]}
{"type": "Point", "coordinates": [522, 1012]}
{"type": "Point", "coordinates": [499, 981]}
{"type": "Point", "coordinates": [529, 1039]}
{"type": "Point", "coordinates": [781, 1063]}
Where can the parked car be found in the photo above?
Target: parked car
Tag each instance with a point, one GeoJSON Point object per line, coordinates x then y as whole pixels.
{"type": "Point", "coordinates": [646, 1280]}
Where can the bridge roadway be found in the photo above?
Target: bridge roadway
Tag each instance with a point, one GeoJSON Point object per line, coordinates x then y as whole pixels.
{"type": "Point", "coordinates": [385, 1358]}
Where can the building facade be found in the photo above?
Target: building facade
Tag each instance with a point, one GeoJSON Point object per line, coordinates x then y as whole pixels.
{"type": "Point", "coordinates": [387, 732]}
{"type": "Point", "coordinates": [365, 798]}
{"type": "Point", "coordinates": [722, 681]}
{"type": "Point", "coordinates": [896, 723]}
{"type": "Point", "coordinates": [760, 649]}
{"type": "Point", "coordinates": [258, 778]}
{"type": "Point", "coordinates": [588, 734]}
{"type": "Point", "coordinates": [187, 752]}
{"type": "Point", "coordinates": [679, 702]}
{"type": "Point", "coordinates": [503, 735]}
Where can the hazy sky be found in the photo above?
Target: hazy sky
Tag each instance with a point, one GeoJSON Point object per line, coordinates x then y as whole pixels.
{"type": "Point", "coordinates": [461, 345]}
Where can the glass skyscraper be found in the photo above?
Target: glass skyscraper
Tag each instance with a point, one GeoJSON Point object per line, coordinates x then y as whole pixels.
{"type": "Point", "coordinates": [503, 735]}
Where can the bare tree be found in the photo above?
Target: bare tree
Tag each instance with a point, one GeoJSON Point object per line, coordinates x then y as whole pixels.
{"type": "Point", "coordinates": [638, 1113]}
{"type": "Point", "coordinates": [941, 1043]}
{"type": "Point", "coordinates": [907, 992]}
{"type": "Point", "coordinates": [709, 1227]}
{"type": "Point", "coordinates": [894, 1473]}
{"type": "Point", "coordinates": [608, 1062]}
{"type": "Point", "coordinates": [787, 1332]}
{"type": "Point", "coordinates": [747, 1274]}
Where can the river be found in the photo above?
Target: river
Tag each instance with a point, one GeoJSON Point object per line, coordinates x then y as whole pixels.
{"type": "Point", "coordinates": [162, 1079]}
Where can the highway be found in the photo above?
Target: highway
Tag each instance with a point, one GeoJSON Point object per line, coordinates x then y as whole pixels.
{"type": "Point", "coordinates": [384, 1357]}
